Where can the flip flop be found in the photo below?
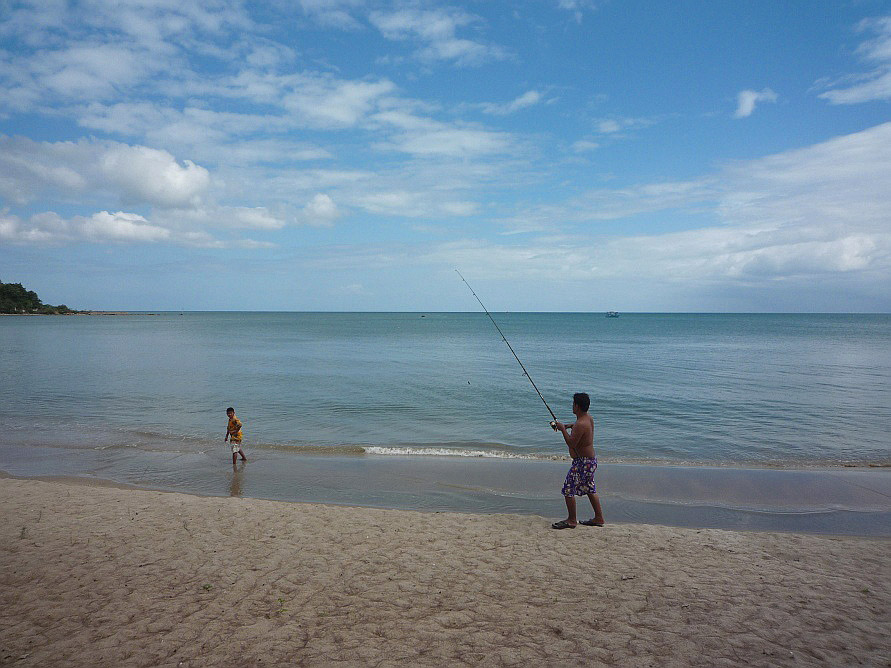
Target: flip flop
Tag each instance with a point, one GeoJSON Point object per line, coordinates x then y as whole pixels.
{"type": "Point", "coordinates": [591, 523]}
{"type": "Point", "coordinates": [562, 524]}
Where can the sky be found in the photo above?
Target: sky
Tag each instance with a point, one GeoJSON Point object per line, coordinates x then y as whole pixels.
{"type": "Point", "coordinates": [565, 155]}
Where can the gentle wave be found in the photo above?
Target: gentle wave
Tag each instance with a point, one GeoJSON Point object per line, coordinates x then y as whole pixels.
{"type": "Point", "coordinates": [488, 451]}
{"type": "Point", "coordinates": [468, 451]}
{"type": "Point", "coordinates": [432, 451]}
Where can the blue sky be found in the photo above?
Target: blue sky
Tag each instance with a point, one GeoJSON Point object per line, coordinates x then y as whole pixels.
{"type": "Point", "coordinates": [350, 154]}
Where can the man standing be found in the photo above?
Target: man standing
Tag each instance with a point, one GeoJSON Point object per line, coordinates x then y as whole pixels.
{"type": "Point", "coordinates": [579, 438]}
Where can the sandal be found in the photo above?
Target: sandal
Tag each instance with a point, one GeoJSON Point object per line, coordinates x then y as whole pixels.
{"type": "Point", "coordinates": [591, 523]}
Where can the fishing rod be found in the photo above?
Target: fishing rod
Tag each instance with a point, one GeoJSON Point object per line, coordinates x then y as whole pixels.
{"type": "Point", "coordinates": [504, 338]}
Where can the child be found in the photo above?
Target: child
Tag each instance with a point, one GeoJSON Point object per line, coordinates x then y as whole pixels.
{"type": "Point", "coordinates": [579, 438]}
{"type": "Point", "coordinates": [233, 435]}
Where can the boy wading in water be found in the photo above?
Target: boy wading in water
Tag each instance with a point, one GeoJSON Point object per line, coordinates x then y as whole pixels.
{"type": "Point", "coordinates": [233, 435]}
{"type": "Point", "coordinates": [579, 438]}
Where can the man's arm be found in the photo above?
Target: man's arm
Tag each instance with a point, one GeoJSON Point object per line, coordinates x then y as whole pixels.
{"type": "Point", "coordinates": [570, 436]}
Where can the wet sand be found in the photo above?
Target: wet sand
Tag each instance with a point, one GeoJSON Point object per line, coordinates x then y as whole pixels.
{"type": "Point", "coordinates": [829, 501]}
{"type": "Point", "coordinates": [104, 576]}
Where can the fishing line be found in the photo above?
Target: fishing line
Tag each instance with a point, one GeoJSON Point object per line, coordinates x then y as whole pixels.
{"type": "Point", "coordinates": [504, 338]}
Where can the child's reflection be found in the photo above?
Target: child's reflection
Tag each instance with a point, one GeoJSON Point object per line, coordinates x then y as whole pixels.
{"type": "Point", "coordinates": [235, 480]}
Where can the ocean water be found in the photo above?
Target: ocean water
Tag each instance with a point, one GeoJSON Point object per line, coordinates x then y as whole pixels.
{"type": "Point", "coordinates": [121, 397]}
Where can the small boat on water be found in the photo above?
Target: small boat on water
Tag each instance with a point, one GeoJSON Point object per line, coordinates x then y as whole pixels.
{"type": "Point", "coordinates": [612, 314]}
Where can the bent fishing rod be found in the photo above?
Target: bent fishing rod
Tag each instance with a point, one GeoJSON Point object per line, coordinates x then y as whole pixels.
{"type": "Point", "coordinates": [504, 338]}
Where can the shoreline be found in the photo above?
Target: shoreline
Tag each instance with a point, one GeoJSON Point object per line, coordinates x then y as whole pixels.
{"type": "Point", "coordinates": [104, 576]}
{"type": "Point", "coordinates": [843, 501]}
{"type": "Point", "coordinates": [84, 313]}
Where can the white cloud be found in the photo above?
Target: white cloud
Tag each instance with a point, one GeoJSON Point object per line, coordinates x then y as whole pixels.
{"type": "Point", "coordinates": [435, 30]}
{"type": "Point", "coordinates": [100, 227]}
{"type": "Point", "coordinates": [90, 72]}
{"type": "Point", "coordinates": [252, 152]}
{"type": "Point", "coordinates": [427, 137]}
{"type": "Point", "coordinates": [330, 103]}
{"type": "Point", "coordinates": [414, 204]}
{"type": "Point", "coordinates": [844, 181]}
{"type": "Point", "coordinates": [128, 173]}
{"type": "Point", "coordinates": [608, 204]}
{"type": "Point", "coordinates": [876, 83]}
{"type": "Point", "coordinates": [120, 226]}
{"type": "Point", "coordinates": [816, 211]}
{"type": "Point", "coordinates": [14, 230]}
{"type": "Point", "coordinates": [527, 99]}
{"type": "Point", "coordinates": [103, 227]}
{"type": "Point", "coordinates": [333, 13]}
{"type": "Point", "coordinates": [73, 52]}
{"type": "Point", "coordinates": [747, 99]}
{"type": "Point", "coordinates": [610, 126]}
{"type": "Point", "coordinates": [320, 211]}
{"type": "Point", "coordinates": [153, 176]}
{"type": "Point", "coordinates": [577, 7]}
{"type": "Point", "coordinates": [257, 217]}
{"type": "Point", "coordinates": [584, 145]}
{"type": "Point", "coordinates": [270, 55]}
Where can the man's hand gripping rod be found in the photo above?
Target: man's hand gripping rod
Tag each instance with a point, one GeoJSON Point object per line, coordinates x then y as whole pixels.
{"type": "Point", "coordinates": [504, 338]}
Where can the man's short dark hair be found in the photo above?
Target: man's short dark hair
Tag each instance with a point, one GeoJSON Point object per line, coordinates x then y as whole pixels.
{"type": "Point", "coordinates": [582, 400]}
{"type": "Point", "coordinates": [230, 409]}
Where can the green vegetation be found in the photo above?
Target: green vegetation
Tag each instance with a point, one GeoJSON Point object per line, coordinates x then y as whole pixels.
{"type": "Point", "coordinates": [15, 299]}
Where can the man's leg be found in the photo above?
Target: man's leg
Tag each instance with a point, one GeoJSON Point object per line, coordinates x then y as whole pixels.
{"type": "Point", "coordinates": [598, 511]}
{"type": "Point", "coordinates": [234, 458]}
{"type": "Point", "coordinates": [243, 458]}
{"type": "Point", "coordinates": [570, 509]}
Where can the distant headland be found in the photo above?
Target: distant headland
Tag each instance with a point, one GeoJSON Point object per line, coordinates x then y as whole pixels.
{"type": "Point", "coordinates": [16, 300]}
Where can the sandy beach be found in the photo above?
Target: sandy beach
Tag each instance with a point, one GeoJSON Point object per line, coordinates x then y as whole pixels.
{"type": "Point", "coordinates": [95, 575]}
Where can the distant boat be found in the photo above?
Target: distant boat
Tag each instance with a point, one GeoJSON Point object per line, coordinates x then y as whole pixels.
{"type": "Point", "coordinates": [612, 314]}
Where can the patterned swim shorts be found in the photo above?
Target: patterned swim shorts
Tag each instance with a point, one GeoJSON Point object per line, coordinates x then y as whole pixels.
{"type": "Point", "coordinates": [580, 479]}
{"type": "Point", "coordinates": [236, 447]}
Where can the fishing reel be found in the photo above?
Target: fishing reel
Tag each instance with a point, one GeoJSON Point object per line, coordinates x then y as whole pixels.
{"type": "Point", "coordinates": [553, 424]}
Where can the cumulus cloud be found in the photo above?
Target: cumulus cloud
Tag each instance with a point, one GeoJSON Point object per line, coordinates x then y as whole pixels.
{"type": "Point", "coordinates": [104, 227]}
{"type": "Point", "coordinates": [120, 226]}
{"type": "Point", "coordinates": [747, 99]}
{"type": "Point", "coordinates": [149, 175]}
{"type": "Point", "coordinates": [134, 174]}
{"type": "Point", "coordinates": [874, 84]}
{"type": "Point", "coordinates": [177, 192]}
{"type": "Point", "coordinates": [100, 227]}
{"type": "Point", "coordinates": [320, 211]}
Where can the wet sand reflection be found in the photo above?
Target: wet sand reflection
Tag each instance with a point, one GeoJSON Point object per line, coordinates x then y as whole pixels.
{"type": "Point", "coordinates": [236, 479]}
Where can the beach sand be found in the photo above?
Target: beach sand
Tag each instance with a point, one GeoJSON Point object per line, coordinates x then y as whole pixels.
{"type": "Point", "coordinates": [101, 576]}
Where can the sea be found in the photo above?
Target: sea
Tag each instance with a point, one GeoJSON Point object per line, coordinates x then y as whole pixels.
{"type": "Point", "coordinates": [743, 421]}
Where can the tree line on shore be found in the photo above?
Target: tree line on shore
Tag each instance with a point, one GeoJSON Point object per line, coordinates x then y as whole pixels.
{"type": "Point", "coordinates": [14, 298]}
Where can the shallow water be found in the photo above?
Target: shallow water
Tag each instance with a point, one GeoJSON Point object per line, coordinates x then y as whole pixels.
{"type": "Point", "coordinates": [363, 399]}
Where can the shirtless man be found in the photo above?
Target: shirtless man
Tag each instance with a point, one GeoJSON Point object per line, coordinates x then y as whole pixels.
{"type": "Point", "coordinates": [579, 438]}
